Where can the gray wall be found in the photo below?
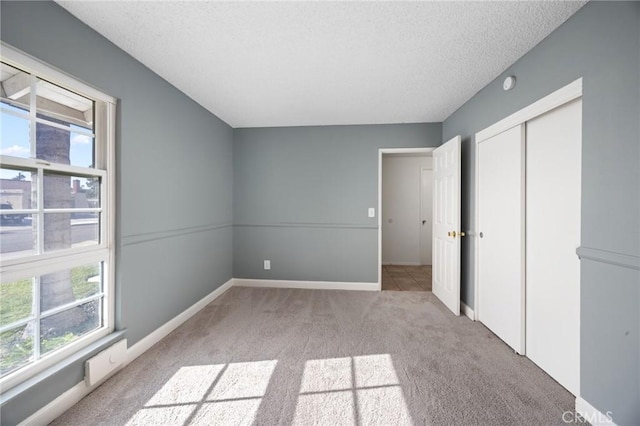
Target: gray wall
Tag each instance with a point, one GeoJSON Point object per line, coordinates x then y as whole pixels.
{"type": "Point", "coordinates": [600, 43]}
{"type": "Point", "coordinates": [301, 196]}
{"type": "Point", "coordinates": [174, 176]}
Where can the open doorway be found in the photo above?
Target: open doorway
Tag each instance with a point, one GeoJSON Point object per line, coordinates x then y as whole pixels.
{"type": "Point", "coordinates": [406, 225]}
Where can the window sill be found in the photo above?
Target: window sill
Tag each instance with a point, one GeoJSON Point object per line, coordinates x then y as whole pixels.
{"type": "Point", "coordinates": [81, 355]}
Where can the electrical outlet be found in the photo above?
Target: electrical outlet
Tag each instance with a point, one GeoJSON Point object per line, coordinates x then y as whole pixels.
{"type": "Point", "coordinates": [267, 265]}
{"type": "Point", "coordinates": [372, 212]}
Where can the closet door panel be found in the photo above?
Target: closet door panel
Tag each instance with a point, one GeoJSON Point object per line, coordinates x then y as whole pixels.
{"type": "Point", "coordinates": [500, 248]}
{"type": "Point", "coordinates": [553, 150]}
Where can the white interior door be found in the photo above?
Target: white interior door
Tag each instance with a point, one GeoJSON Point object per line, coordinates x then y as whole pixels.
{"type": "Point", "coordinates": [500, 209]}
{"type": "Point", "coordinates": [426, 213]}
{"type": "Point", "coordinates": [554, 143]}
{"type": "Point", "coordinates": [446, 224]}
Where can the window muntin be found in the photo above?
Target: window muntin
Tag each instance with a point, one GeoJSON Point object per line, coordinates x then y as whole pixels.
{"type": "Point", "coordinates": [56, 250]}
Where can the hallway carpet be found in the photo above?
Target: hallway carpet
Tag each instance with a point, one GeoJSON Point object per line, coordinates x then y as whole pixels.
{"type": "Point", "coordinates": [406, 278]}
{"type": "Point", "coordinates": [280, 356]}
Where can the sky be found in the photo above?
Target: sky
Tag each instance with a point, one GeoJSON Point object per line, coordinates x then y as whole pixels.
{"type": "Point", "coordinates": [14, 141]}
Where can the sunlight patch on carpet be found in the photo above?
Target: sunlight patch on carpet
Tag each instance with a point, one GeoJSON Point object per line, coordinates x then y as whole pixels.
{"type": "Point", "coordinates": [350, 391]}
{"type": "Point", "coordinates": [209, 394]}
{"type": "Point", "coordinates": [198, 377]}
{"type": "Point", "coordinates": [326, 375]}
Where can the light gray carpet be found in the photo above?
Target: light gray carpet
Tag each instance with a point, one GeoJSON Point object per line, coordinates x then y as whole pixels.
{"type": "Point", "coordinates": [280, 356]}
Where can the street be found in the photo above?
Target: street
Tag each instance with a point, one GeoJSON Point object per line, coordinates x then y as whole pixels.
{"type": "Point", "coordinates": [16, 238]}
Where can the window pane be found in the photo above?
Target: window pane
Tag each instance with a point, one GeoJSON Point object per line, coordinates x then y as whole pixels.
{"type": "Point", "coordinates": [66, 230]}
{"type": "Point", "coordinates": [63, 191]}
{"type": "Point", "coordinates": [14, 135]}
{"type": "Point", "coordinates": [82, 147]}
{"type": "Point", "coordinates": [16, 300]}
{"type": "Point", "coordinates": [63, 328]}
{"type": "Point", "coordinates": [16, 87]}
{"type": "Point", "coordinates": [64, 146]}
{"type": "Point", "coordinates": [17, 235]}
{"type": "Point", "coordinates": [16, 348]}
{"type": "Point", "coordinates": [58, 104]}
{"type": "Point", "coordinates": [62, 287]}
{"type": "Point", "coordinates": [16, 189]}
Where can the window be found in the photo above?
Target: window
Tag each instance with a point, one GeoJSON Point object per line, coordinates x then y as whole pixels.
{"type": "Point", "coordinates": [56, 217]}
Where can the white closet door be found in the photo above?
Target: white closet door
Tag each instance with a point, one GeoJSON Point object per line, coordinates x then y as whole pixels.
{"type": "Point", "coordinates": [553, 149]}
{"type": "Point", "coordinates": [501, 235]}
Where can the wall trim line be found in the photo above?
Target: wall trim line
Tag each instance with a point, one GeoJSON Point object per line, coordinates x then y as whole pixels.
{"type": "Point", "coordinates": [467, 311]}
{"type": "Point", "coordinates": [309, 285]}
{"type": "Point", "coordinates": [128, 240]}
{"type": "Point", "coordinates": [609, 257]}
{"type": "Point", "coordinates": [305, 225]}
{"type": "Point", "coordinates": [591, 414]}
{"type": "Point", "coordinates": [72, 396]}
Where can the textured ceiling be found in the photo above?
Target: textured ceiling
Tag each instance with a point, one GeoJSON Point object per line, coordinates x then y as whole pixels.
{"type": "Point", "coordinates": [314, 63]}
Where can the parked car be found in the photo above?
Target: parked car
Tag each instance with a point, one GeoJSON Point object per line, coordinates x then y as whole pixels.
{"type": "Point", "coordinates": [15, 218]}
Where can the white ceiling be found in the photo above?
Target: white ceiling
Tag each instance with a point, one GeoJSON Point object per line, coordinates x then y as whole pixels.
{"type": "Point", "coordinates": [259, 64]}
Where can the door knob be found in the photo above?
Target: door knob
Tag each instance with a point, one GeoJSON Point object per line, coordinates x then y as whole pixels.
{"type": "Point", "coordinates": [454, 233]}
{"type": "Point", "coordinates": [424, 221]}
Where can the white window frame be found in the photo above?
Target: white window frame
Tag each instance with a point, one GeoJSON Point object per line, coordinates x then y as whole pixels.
{"type": "Point", "coordinates": [12, 269]}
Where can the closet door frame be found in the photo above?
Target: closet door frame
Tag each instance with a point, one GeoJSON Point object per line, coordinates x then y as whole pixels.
{"type": "Point", "coordinates": [558, 98]}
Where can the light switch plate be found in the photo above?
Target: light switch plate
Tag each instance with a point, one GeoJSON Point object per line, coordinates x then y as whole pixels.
{"type": "Point", "coordinates": [267, 265]}
{"type": "Point", "coordinates": [372, 212]}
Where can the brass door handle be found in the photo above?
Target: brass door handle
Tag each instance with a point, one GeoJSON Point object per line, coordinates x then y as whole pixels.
{"type": "Point", "coordinates": [454, 233]}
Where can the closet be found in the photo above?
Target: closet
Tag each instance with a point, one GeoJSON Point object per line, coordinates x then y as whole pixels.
{"type": "Point", "coordinates": [528, 229]}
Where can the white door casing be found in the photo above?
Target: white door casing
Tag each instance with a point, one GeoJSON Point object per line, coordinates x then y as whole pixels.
{"type": "Point", "coordinates": [554, 143]}
{"type": "Point", "coordinates": [500, 210]}
{"type": "Point", "coordinates": [426, 214]}
{"type": "Point", "coordinates": [381, 152]}
{"type": "Point", "coordinates": [446, 223]}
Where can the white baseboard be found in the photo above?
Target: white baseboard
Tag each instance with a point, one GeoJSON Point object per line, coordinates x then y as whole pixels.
{"type": "Point", "coordinates": [58, 406]}
{"type": "Point", "coordinates": [467, 311]}
{"type": "Point", "coordinates": [310, 285]}
{"type": "Point", "coordinates": [402, 263]}
{"type": "Point", "coordinates": [592, 414]}
{"type": "Point", "coordinates": [62, 403]}
{"type": "Point", "coordinates": [154, 337]}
